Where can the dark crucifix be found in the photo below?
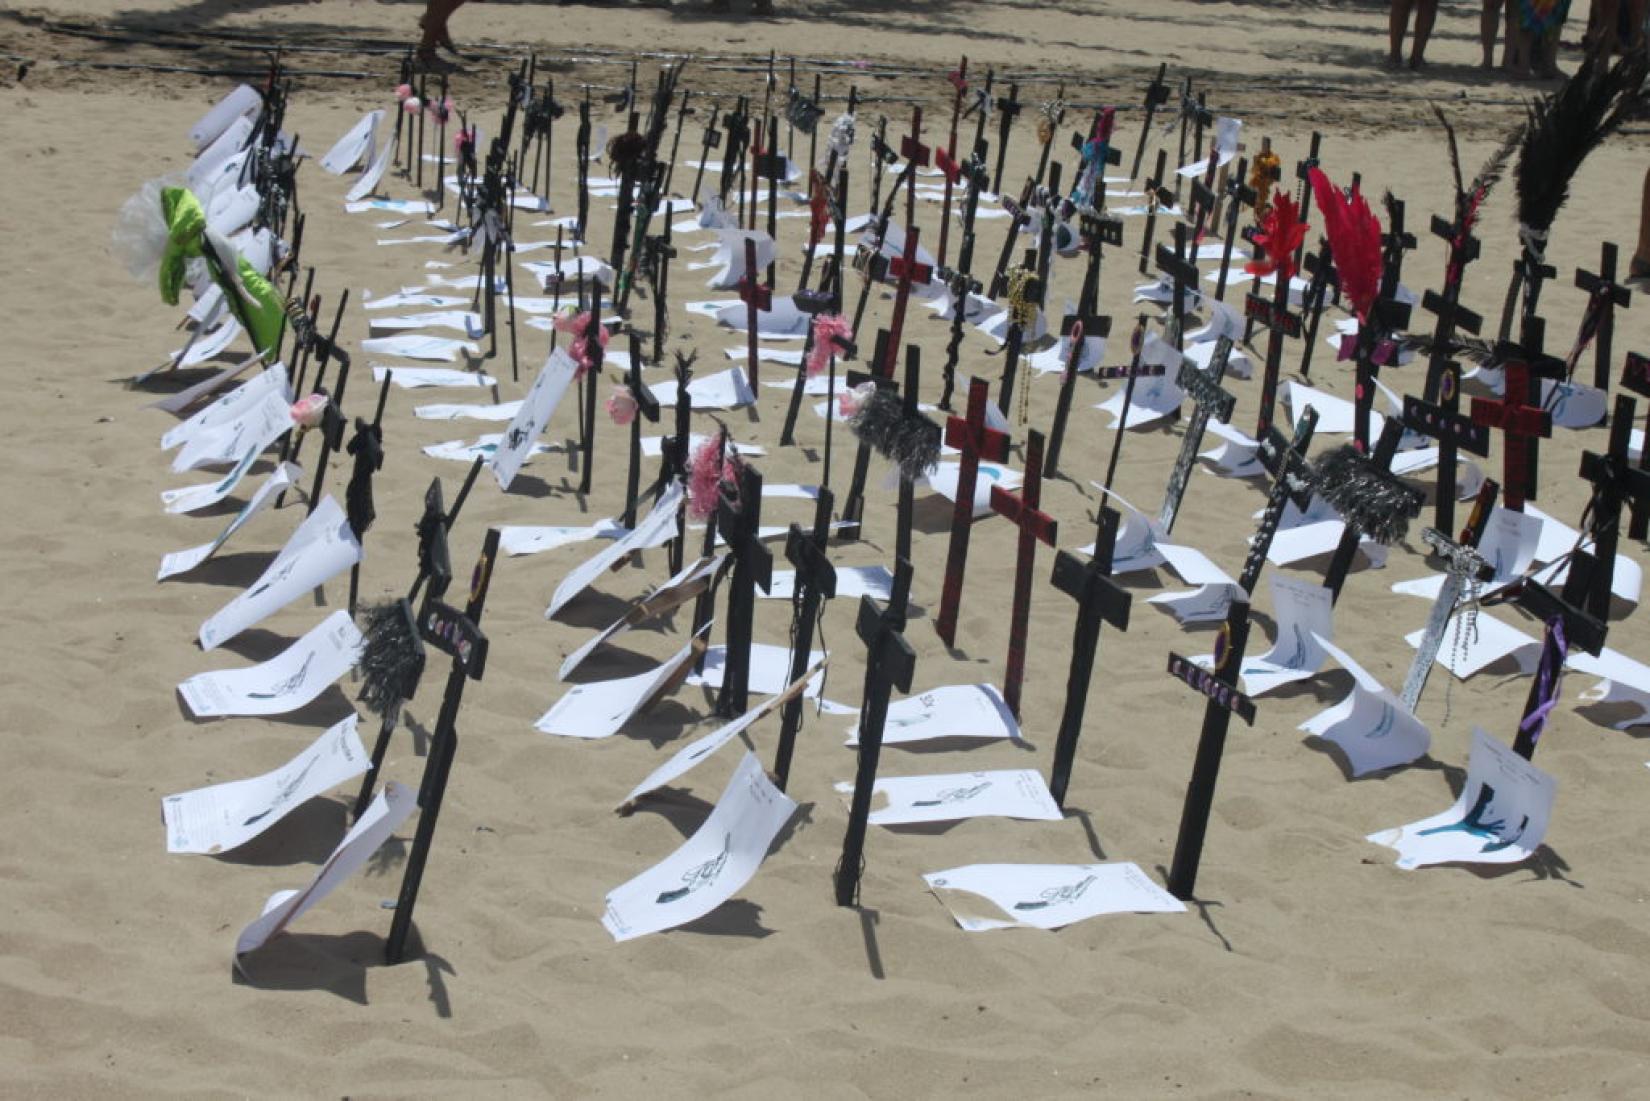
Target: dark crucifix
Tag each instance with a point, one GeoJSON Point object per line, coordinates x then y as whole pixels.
{"type": "Point", "coordinates": [739, 515]}
{"type": "Point", "coordinates": [1208, 400]}
{"type": "Point", "coordinates": [970, 435]}
{"type": "Point", "coordinates": [1099, 599]}
{"type": "Point", "coordinates": [815, 583]}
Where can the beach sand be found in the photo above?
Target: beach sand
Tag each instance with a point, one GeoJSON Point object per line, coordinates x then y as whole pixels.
{"type": "Point", "coordinates": [1309, 967]}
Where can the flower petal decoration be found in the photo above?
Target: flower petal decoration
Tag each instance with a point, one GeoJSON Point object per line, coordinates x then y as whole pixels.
{"type": "Point", "coordinates": [1281, 233]}
{"type": "Point", "coordinates": [1354, 241]}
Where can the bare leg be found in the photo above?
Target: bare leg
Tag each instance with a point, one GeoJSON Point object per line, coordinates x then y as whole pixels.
{"type": "Point", "coordinates": [1511, 54]}
{"type": "Point", "coordinates": [1634, 39]}
{"type": "Point", "coordinates": [434, 22]}
{"type": "Point", "coordinates": [1426, 11]}
{"type": "Point", "coordinates": [1488, 22]}
{"type": "Point", "coordinates": [1397, 22]}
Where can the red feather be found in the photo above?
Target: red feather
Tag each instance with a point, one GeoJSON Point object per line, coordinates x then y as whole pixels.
{"type": "Point", "coordinates": [1281, 233]}
{"type": "Point", "coordinates": [1354, 240]}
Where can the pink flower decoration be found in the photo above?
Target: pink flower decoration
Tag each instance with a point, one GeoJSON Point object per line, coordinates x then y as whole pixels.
{"type": "Point", "coordinates": [703, 477]}
{"type": "Point", "coordinates": [827, 327]}
{"type": "Point", "coordinates": [403, 91]}
{"type": "Point", "coordinates": [621, 406]}
{"type": "Point", "coordinates": [412, 105]}
{"type": "Point", "coordinates": [577, 326]}
{"type": "Point", "coordinates": [306, 412]}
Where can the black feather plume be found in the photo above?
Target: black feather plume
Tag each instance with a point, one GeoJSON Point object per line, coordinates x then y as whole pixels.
{"type": "Point", "coordinates": [1566, 126]}
{"type": "Point", "coordinates": [1373, 501]}
{"type": "Point", "coordinates": [910, 440]}
{"type": "Point", "coordinates": [1454, 149]}
{"type": "Point", "coordinates": [392, 655]}
{"type": "Point", "coordinates": [1481, 352]}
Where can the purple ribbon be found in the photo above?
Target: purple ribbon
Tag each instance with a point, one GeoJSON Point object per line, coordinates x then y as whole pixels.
{"type": "Point", "coordinates": [1554, 650]}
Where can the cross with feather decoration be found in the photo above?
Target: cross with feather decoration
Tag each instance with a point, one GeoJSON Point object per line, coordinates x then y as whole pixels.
{"type": "Point", "coordinates": [1371, 500]}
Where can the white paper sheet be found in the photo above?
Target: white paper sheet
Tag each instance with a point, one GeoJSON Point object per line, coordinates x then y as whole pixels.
{"type": "Point", "coordinates": [241, 101]}
{"type": "Point", "coordinates": [354, 147]}
{"type": "Point", "coordinates": [414, 346]}
{"type": "Point", "coordinates": [1004, 793]}
{"type": "Point", "coordinates": [729, 260]}
{"type": "Point", "coordinates": [536, 410]}
{"type": "Point", "coordinates": [282, 477]}
{"type": "Point", "coordinates": [700, 750]}
{"type": "Point", "coordinates": [852, 582]}
{"type": "Point", "coordinates": [393, 206]}
{"type": "Point", "coordinates": [653, 446]}
{"type": "Point", "coordinates": [223, 817]}
{"type": "Point", "coordinates": [502, 411]}
{"type": "Point", "coordinates": [655, 529]}
{"type": "Point", "coordinates": [322, 547]}
{"type": "Point", "coordinates": [1492, 641]}
{"type": "Point", "coordinates": [254, 428]}
{"type": "Point", "coordinates": [285, 682]}
{"type": "Point", "coordinates": [1046, 896]}
{"type": "Point", "coordinates": [728, 389]}
{"type": "Point", "coordinates": [207, 344]}
{"type": "Point", "coordinates": [227, 408]}
{"type": "Point", "coordinates": [462, 321]}
{"type": "Point", "coordinates": [1371, 725]}
{"type": "Point", "coordinates": [1303, 613]}
{"type": "Point", "coordinates": [1155, 397]}
{"type": "Point", "coordinates": [1509, 546]}
{"type": "Point", "coordinates": [601, 709]}
{"type": "Point", "coordinates": [770, 669]}
{"type": "Point", "coordinates": [516, 540]}
{"type": "Point", "coordinates": [782, 321]}
{"type": "Point", "coordinates": [372, 176]}
{"type": "Point", "coordinates": [1625, 681]}
{"type": "Point", "coordinates": [1204, 604]}
{"type": "Point", "coordinates": [943, 480]}
{"type": "Point", "coordinates": [1237, 456]}
{"type": "Point", "coordinates": [371, 830]}
{"type": "Point", "coordinates": [1557, 538]}
{"type": "Point", "coordinates": [954, 711]}
{"type": "Point", "coordinates": [719, 859]}
{"type": "Point", "coordinates": [416, 378]}
{"type": "Point", "coordinates": [1500, 818]}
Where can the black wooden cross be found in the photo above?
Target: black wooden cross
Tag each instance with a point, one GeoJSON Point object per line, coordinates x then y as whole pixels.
{"type": "Point", "coordinates": [812, 303]}
{"type": "Point", "coordinates": [853, 506]}
{"type": "Point", "coordinates": [1604, 296]}
{"type": "Point", "coordinates": [1094, 232]}
{"type": "Point", "coordinates": [736, 125]}
{"type": "Point", "coordinates": [1183, 271]}
{"type": "Point", "coordinates": [815, 582]}
{"type": "Point", "coordinates": [971, 436]}
{"type": "Point", "coordinates": [1099, 598]}
{"type": "Point", "coordinates": [1616, 482]}
{"type": "Point", "coordinates": [907, 486]}
{"type": "Point", "coordinates": [756, 298]}
{"type": "Point", "coordinates": [770, 166]}
{"type": "Point", "coordinates": [1209, 399]}
{"type": "Point", "coordinates": [1219, 687]}
{"type": "Point", "coordinates": [647, 409]}
{"type": "Point", "coordinates": [1078, 329]}
{"type": "Point", "coordinates": [1394, 243]}
{"type": "Point", "coordinates": [712, 140]}
{"type": "Point", "coordinates": [1193, 113]}
{"type": "Point", "coordinates": [1018, 215]}
{"type": "Point", "coordinates": [581, 154]}
{"type": "Point", "coordinates": [366, 447]}
{"type": "Point", "coordinates": [660, 253]}
{"type": "Point", "coordinates": [1285, 461]}
{"type": "Point", "coordinates": [1371, 348]}
{"type": "Point", "coordinates": [1137, 343]}
{"type": "Point", "coordinates": [1455, 431]}
{"type": "Point", "coordinates": [1007, 108]}
{"type": "Point", "coordinates": [961, 281]}
{"type": "Point", "coordinates": [459, 635]}
{"type": "Point", "coordinates": [1156, 196]}
{"type": "Point", "coordinates": [1580, 629]}
{"type": "Point", "coordinates": [915, 152]}
{"type": "Point", "coordinates": [1157, 94]}
{"type": "Point", "coordinates": [1635, 376]}
{"type": "Point", "coordinates": [1023, 510]}
{"type": "Point", "coordinates": [740, 514]}
{"type": "Point", "coordinates": [1378, 505]}
{"type": "Point", "coordinates": [593, 352]}
{"type": "Point", "coordinates": [889, 663]}
{"type": "Point", "coordinates": [1279, 322]}
{"type": "Point", "coordinates": [1519, 421]}
{"type": "Point", "coordinates": [1320, 265]}
{"type": "Point", "coordinates": [1239, 197]}
{"type": "Point", "coordinates": [1025, 297]}
{"type": "Point", "coordinates": [1303, 190]}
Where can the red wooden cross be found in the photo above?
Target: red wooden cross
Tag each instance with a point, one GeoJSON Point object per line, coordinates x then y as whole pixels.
{"type": "Point", "coordinates": [1519, 423]}
{"type": "Point", "coordinates": [757, 298]}
{"type": "Point", "coordinates": [906, 269]}
{"type": "Point", "coordinates": [976, 441]}
{"type": "Point", "coordinates": [1022, 510]}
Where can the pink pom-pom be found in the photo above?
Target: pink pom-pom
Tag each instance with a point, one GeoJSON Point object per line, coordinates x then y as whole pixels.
{"type": "Point", "coordinates": [704, 475]}
{"type": "Point", "coordinates": [828, 328]}
{"type": "Point", "coordinates": [412, 105]}
{"type": "Point", "coordinates": [403, 91]}
{"type": "Point", "coordinates": [463, 137]}
{"type": "Point", "coordinates": [849, 401]}
{"type": "Point", "coordinates": [306, 412]}
{"type": "Point", "coordinates": [621, 406]}
{"type": "Point", "coordinates": [577, 325]}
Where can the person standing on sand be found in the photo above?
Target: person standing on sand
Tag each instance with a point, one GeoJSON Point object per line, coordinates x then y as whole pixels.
{"type": "Point", "coordinates": [434, 24]}
{"type": "Point", "coordinates": [1426, 11]}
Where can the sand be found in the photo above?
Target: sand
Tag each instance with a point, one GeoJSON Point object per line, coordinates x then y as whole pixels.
{"type": "Point", "coordinates": [1310, 967]}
